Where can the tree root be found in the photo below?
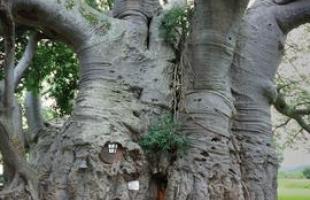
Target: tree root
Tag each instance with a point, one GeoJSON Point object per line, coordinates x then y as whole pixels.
{"type": "Point", "coordinates": [19, 186]}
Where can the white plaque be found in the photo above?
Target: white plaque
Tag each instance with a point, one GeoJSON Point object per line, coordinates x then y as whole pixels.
{"type": "Point", "coordinates": [133, 185]}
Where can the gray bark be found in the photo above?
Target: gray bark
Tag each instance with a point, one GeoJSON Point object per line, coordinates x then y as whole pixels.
{"type": "Point", "coordinates": [33, 114]}
{"type": "Point", "coordinates": [258, 55]}
{"type": "Point", "coordinates": [210, 170]}
{"type": "Point", "coordinates": [10, 144]}
{"type": "Point", "coordinates": [125, 83]}
{"type": "Point", "coordinates": [26, 59]}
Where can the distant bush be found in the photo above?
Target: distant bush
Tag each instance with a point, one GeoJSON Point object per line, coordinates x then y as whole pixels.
{"type": "Point", "coordinates": [306, 172]}
{"type": "Point", "coordinates": [294, 174]}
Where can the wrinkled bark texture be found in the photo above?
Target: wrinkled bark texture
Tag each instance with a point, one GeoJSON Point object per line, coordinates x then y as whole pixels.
{"type": "Point", "coordinates": [210, 170]}
{"type": "Point", "coordinates": [127, 80]}
{"type": "Point", "coordinates": [259, 51]}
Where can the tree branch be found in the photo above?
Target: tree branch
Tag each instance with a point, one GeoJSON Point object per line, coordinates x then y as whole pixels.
{"type": "Point", "coordinates": [10, 154]}
{"type": "Point", "coordinates": [292, 13]}
{"type": "Point", "coordinates": [297, 114]}
{"type": "Point", "coordinates": [25, 61]}
{"type": "Point", "coordinates": [281, 2]}
{"type": "Point", "coordinates": [282, 124]}
{"type": "Point", "coordinates": [15, 161]}
{"type": "Point", "coordinates": [8, 26]}
{"type": "Point", "coordinates": [302, 123]}
{"type": "Point", "coordinates": [71, 21]}
{"type": "Point", "coordinates": [305, 111]}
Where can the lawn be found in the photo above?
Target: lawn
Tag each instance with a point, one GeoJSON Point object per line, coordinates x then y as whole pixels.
{"type": "Point", "coordinates": [294, 189]}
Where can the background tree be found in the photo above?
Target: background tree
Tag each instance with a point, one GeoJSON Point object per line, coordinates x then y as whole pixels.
{"type": "Point", "coordinates": [306, 172]}
{"type": "Point", "coordinates": [215, 80]}
{"type": "Point", "coordinates": [293, 83]}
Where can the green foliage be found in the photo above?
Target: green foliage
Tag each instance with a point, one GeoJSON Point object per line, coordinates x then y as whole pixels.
{"type": "Point", "coordinates": [110, 3]}
{"type": "Point", "coordinates": [49, 114]}
{"type": "Point", "coordinates": [100, 5]}
{"type": "Point", "coordinates": [163, 137]}
{"type": "Point", "coordinates": [55, 68]}
{"type": "Point", "coordinates": [102, 25]}
{"type": "Point", "coordinates": [70, 4]}
{"type": "Point", "coordinates": [174, 25]}
{"type": "Point", "coordinates": [306, 172]}
{"type": "Point", "coordinates": [92, 3]}
{"type": "Point", "coordinates": [90, 17]}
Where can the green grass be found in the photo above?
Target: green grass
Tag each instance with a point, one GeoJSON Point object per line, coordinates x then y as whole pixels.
{"type": "Point", "coordinates": [294, 189]}
{"type": "Point", "coordinates": [295, 174]}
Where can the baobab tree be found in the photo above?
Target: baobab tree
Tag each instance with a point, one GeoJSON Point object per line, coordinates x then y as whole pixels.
{"type": "Point", "coordinates": [215, 80]}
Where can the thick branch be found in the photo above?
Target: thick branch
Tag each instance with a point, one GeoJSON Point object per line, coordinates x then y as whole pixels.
{"type": "Point", "coordinates": [297, 114]}
{"type": "Point", "coordinates": [9, 37]}
{"type": "Point", "coordinates": [14, 160]}
{"type": "Point", "coordinates": [302, 123]}
{"type": "Point", "coordinates": [302, 111]}
{"type": "Point", "coordinates": [10, 156]}
{"type": "Point", "coordinates": [26, 59]}
{"type": "Point", "coordinates": [71, 21]}
{"type": "Point", "coordinates": [293, 14]}
{"type": "Point", "coordinates": [281, 2]}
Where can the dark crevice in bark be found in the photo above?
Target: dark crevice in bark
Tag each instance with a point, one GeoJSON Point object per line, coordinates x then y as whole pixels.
{"type": "Point", "coordinates": [176, 85]}
{"type": "Point", "coordinates": [160, 182]}
{"type": "Point", "coordinates": [137, 91]}
{"type": "Point", "coordinates": [149, 22]}
{"type": "Point", "coordinates": [176, 88]}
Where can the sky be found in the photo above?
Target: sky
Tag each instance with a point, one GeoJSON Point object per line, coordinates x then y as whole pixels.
{"type": "Point", "coordinates": [296, 158]}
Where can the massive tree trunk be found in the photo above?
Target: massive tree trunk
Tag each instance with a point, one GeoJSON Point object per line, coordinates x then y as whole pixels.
{"type": "Point", "coordinates": [210, 170]}
{"type": "Point", "coordinates": [257, 57]}
{"type": "Point", "coordinates": [127, 80]}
